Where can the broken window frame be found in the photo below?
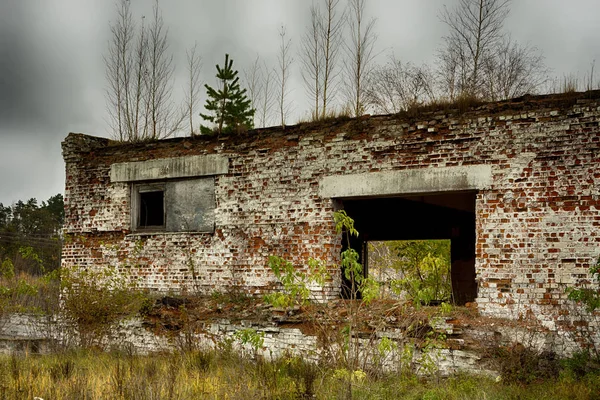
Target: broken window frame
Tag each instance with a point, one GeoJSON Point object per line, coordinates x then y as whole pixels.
{"type": "Point", "coordinates": [136, 203]}
{"type": "Point", "coordinates": [173, 219]}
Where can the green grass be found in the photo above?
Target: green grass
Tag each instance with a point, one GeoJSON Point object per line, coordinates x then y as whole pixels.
{"type": "Point", "coordinates": [223, 375]}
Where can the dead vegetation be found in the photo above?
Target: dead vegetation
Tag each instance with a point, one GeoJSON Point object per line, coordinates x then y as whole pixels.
{"type": "Point", "coordinates": [172, 315]}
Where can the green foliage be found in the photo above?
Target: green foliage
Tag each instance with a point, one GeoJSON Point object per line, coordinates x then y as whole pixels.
{"type": "Point", "coordinates": [27, 293]}
{"type": "Point", "coordinates": [589, 297]}
{"type": "Point", "coordinates": [344, 223]}
{"type": "Point", "coordinates": [353, 376]}
{"type": "Point", "coordinates": [229, 107]}
{"type": "Point", "coordinates": [445, 308]}
{"type": "Point", "coordinates": [425, 269]}
{"type": "Point", "coordinates": [525, 365]}
{"type": "Point", "coordinates": [385, 348]}
{"type": "Point", "coordinates": [30, 234]}
{"type": "Point", "coordinates": [353, 270]}
{"type": "Point", "coordinates": [369, 289]}
{"type": "Point", "coordinates": [429, 352]}
{"type": "Point", "coordinates": [7, 269]}
{"type": "Point", "coordinates": [580, 364]}
{"type": "Point", "coordinates": [248, 336]}
{"type": "Point", "coordinates": [295, 283]}
{"type": "Point", "coordinates": [23, 288]}
{"type": "Point", "coordinates": [28, 253]}
{"type": "Point", "coordinates": [360, 285]}
{"type": "Point", "coordinates": [95, 301]}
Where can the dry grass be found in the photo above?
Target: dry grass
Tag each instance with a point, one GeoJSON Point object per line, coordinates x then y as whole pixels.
{"type": "Point", "coordinates": [85, 375]}
{"type": "Point", "coordinates": [222, 375]}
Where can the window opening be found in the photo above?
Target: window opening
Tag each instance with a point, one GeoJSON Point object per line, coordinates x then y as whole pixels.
{"type": "Point", "coordinates": [151, 209]}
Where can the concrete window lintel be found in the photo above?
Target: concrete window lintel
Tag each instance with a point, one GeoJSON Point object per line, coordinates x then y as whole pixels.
{"type": "Point", "coordinates": [411, 181]}
{"type": "Point", "coordinates": [169, 168]}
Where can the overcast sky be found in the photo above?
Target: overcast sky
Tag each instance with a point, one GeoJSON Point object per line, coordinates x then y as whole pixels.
{"type": "Point", "coordinates": [52, 72]}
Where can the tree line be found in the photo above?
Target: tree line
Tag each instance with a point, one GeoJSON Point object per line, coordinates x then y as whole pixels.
{"type": "Point", "coordinates": [30, 235]}
{"type": "Point", "coordinates": [478, 59]}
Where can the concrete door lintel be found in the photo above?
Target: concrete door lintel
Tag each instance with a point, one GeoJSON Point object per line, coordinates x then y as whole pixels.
{"type": "Point", "coordinates": [411, 181]}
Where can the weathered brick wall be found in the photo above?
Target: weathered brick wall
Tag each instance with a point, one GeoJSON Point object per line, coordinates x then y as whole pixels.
{"type": "Point", "coordinates": [538, 223]}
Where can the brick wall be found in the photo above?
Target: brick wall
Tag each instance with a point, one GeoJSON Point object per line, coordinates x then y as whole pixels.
{"type": "Point", "coordinates": [538, 223]}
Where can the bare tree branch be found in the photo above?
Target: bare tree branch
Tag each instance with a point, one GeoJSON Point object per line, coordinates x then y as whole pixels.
{"type": "Point", "coordinates": [332, 43]}
{"type": "Point", "coordinates": [285, 62]}
{"type": "Point", "coordinates": [480, 60]}
{"type": "Point", "coordinates": [194, 67]}
{"type": "Point", "coordinates": [139, 72]}
{"type": "Point", "coordinates": [118, 70]}
{"type": "Point", "coordinates": [165, 117]}
{"type": "Point", "coordinates": [475, 30]}
{"type": "Point", "coordinates": [360, 55]}
{"type": "Point", "coordinates": [395, 86]}
{"type": "Point", "coordinates": [513, 70]}
{"type": "Point", "coordinates": [266, 97]}
{"type": "Point", "coordinates": [254, 82]}
{"type": "Point", "coordinates": [320, 48]}
{"type": "Point", "coordinates": [312, 60]}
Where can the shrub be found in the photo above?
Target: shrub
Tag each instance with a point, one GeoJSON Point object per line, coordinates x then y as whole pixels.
{"type": "Point", "coordinates": [95, 301]}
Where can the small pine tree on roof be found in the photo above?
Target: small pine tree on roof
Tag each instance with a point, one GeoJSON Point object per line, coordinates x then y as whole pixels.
{"type": "Point", "coordinates": [228, 106]}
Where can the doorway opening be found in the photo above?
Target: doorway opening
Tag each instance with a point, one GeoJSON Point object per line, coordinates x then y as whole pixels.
{"type": "Point", "coordinates": [442, 218]}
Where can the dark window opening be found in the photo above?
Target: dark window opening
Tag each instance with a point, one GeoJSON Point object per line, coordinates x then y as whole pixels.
{"type": "Point", "coordinates": [151, 209]}
{"type": "Point", "coordinates": [448, 216]}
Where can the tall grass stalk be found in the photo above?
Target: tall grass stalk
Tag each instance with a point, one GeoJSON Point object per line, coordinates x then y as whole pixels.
{"type": "Point", "coordinates": [224, 375]}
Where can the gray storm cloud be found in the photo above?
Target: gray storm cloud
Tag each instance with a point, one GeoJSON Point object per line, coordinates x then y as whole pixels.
{"type": "Point", "coordinates": [52, 74]}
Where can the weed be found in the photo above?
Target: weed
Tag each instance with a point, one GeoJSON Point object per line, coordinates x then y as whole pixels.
{"type": "Point", "coordinates": [580, 364]}
{"type": "Point", "coordinates": [251, 337]}
{"type": "Point", "coordinates": [522, 364]}
{"type": "Point", "coordinates": [296, 284]}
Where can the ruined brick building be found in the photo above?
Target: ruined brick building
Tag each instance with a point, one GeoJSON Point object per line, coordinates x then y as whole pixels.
{"type": "Point", "coordinates": [514, 185]}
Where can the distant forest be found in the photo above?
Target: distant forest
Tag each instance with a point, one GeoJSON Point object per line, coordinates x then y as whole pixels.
{"type": "Point", "coordinates": [30, 235]}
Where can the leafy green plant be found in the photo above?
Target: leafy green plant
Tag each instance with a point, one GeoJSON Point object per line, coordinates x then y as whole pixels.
{"type": "Point", "coordinates": [7, 269]}
{"type": "Point", "coordinates": [424, 266]}
{"type": "Point", "coordinates": [29, 253]}
{"type": "Point", "coordinates": [361, 286]}
{"type": "Point", "coordinates": [589, 297]}
{"type": "Point", "coordinates": [429, 352]}
{"type": "Point", "coordinates": [24, 293]}
{"type": "Point", "coordinates": [296, 290]}
{"type": "Point", "coordinates": [255, 339]}
{"type": "Point", "coordinates": [362, 290]}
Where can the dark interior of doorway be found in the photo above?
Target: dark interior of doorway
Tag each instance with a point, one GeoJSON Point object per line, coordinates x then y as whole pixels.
{"type": "Point", "coordinates": [421, 217]}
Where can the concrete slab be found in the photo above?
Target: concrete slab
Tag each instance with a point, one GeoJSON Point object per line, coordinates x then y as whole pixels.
{"type": "Point", "coordinates": [413, 181]}
{"type": "Point", "coordinates": [169, 168]}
